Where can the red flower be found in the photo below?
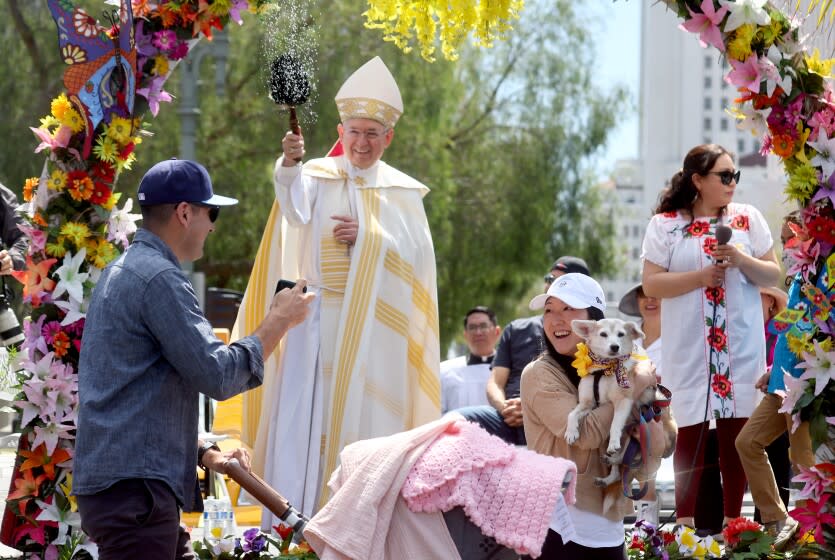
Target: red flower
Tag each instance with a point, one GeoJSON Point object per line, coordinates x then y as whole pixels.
{"type": "Point", "coordinates": [698, 229]}
{"type": "Point", "coordinates": [283, 530]}
{"type": "Point", "coordinates": [709, 245]}
{"type": "Point", "coordinates": [814, 516]}
{"type": "Point", "coordinates": [740, 222]}
{"type": "Point", "coordinates": [668, 537]}
{"type": "Point", "coordinates": [736, 527]}
{"type": "Point", "coordinates": [637, 543]}
{"type": "Point", "coordinates": [822, 229]}
{"type": "Point", "coordinates": [671, 214]}
{"type": "Point", "coordinates": [125, 152]}
{"type": "Point", "coordinates": [717, 338]}
{"type": "Point", "coordinates": [721, 385]}
{"type": "Point", "coordinates": [101, 194]}
{"type": "Point", "coordinates": [716, 295]}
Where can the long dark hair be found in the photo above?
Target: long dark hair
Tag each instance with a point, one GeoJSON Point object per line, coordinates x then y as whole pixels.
{"type": "Point", "coordinates": [681, 193]}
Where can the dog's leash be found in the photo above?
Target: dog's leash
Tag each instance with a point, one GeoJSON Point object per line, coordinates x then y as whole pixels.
{"type": "Point", "coordinates": [631, 459]}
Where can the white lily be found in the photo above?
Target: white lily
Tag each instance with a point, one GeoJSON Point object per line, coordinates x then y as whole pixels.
{"type": "Point", "coordinates": [825, 158]}
{"type": "Point", "coordinates": [122, 223]}
{"type": "Point", "coordinates": [745, 11]}
{"type": "Point", "coordinates": [71, 280]}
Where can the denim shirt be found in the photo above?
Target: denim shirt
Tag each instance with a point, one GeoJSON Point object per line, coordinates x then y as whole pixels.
{"type": "Point", "coordinates": [146, 354]}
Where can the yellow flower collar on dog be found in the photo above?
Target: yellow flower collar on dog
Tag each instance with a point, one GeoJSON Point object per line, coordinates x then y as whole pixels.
{"type": "Point", "coordinates": [585, 362]}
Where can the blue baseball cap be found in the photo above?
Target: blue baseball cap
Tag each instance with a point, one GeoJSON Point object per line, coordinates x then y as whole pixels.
{"type": "Point", "coordinates": [179, 180]}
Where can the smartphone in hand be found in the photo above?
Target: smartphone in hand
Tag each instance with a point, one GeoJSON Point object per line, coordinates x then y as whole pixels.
{"type": "Point", "coordinates": [289, 284]}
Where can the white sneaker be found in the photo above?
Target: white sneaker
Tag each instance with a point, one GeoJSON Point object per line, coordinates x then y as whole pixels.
{"type": "Point", "coordinates": [647, 511]}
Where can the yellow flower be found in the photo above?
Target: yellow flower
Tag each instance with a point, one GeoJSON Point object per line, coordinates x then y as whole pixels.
{"type": "Point", "coordinates": [49, 121]}
{"type": "Point", "coordinates": [111, 202]}
{"type": "Point", "coordinates": [59, 106]}
{"type": "Point", "coordinates": [739, 47]}
{"type": "Point", "coordinates": [582, 361]}
{"type": "Point", "coordinates": [220, 7]}
{"type": "Point", "coordinates": [57, 181]}
{"type": "Point", "coordinates": [799, 344]}
{"type": "Point", "coordinates": [105, 149]}
{"type": "Point", "coordinates": [100, 252]}
{"type": "Point", "coordinates": [822, 67]}
{"type": "Point", "coordinates": [56, 249]}
{"type": "Point", "coordinates": [119, 130]}
{"type": "Point", "coordinates": [77, 232]}
{"type": "Point", "coordinates": [160, 65]}
{"type": "Point", "coordinates": [122, 164]}
{"type": "Point", "coordinates": [73, 120]}
{"type": "Point", "coordinates": [66, 487]}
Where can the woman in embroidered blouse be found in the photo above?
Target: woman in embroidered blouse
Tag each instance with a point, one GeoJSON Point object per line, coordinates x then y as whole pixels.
{"type": "Point", "coordinates": [714, 347]}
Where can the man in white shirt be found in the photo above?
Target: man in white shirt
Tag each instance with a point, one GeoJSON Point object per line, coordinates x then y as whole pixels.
{"type": "Point", "coordinates": [464, 379]}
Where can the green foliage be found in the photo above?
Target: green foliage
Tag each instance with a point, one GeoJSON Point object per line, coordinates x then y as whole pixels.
{"type": "Point", "coordinates": [503, 138]}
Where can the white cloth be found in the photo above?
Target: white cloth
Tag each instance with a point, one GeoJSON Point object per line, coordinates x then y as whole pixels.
{"type": "Point", "coordinates": [654, 353]}
{"type": "Point", "coordinates": [592, 530]}
{"type": "Point", "coordinates": [463, 385]}
{"type": "Point", "coordinates": [736, 348]}
{"type": "Point", "coordinates": [365, 362]}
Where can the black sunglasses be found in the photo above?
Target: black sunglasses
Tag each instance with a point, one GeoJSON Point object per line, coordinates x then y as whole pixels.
{"type": "Point", "coordinates": [214, 211]}
{"type": "Point", "coordinates": [726, 176]}
{"type": "Point", "coordinates": [549, 278]}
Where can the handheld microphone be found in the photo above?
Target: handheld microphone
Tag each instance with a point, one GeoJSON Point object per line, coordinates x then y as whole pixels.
{"type": "Point", "coordinates": [723, 235]}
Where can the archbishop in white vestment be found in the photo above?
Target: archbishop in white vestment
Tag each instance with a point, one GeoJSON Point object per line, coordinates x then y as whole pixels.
{"type": "Point", "coordinates": [365, 362]}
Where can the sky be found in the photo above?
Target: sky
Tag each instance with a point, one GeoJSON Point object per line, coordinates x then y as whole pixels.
{"type": "Point", "coordinates": [616, 34]}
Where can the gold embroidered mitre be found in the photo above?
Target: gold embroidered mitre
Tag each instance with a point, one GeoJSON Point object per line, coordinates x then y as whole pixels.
{"type": "Point", "coordinates": [370, 93]}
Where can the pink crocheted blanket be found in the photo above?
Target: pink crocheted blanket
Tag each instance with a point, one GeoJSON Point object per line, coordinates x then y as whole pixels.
{"type": "Point", "coordinates": [509, 492]}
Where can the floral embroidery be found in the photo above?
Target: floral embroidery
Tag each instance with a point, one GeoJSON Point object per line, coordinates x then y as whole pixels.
{"type": "Point", "coordinates": [740, 222]}
{"type": "Point", "coordinates": [722, 386]}
{"type": "Point", "coordinates": [715, 295]}
{"type": "Point", "coordinates": [718, 339]}
{"type": "Point", "coordinates": [709, 245]}
{"type": "Point", "coordinates": [697, 229]}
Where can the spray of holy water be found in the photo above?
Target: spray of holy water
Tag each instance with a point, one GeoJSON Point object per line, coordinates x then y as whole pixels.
{"type": "Point", "coordinates": [290, 36]}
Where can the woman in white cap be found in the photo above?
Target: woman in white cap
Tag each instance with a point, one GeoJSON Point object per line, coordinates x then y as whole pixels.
{"type": "Point", "coordinates": [549, 393]}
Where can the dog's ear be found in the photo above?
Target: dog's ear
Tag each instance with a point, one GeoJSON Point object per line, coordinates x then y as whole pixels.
{"type": "Point", "coordinates": [634, 330]}
{"type": "Point", "coordinates": [583, 327]}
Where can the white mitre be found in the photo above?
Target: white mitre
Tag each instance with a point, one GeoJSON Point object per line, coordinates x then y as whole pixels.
{"type": "Point", "coordinates": [370, 93]}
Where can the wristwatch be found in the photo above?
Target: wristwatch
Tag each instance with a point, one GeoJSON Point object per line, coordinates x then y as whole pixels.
{"type": "Point", "coordinates": [202, 451]}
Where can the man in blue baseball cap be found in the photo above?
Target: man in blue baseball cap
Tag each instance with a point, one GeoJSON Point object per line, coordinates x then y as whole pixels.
{"type": "Point", "coordinates": [147, 353]}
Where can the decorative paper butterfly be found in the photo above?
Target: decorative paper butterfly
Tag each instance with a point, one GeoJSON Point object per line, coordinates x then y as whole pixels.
{"type": "Point", "coordinates": [784, 320]}
{"type": "Point", "coordinates": [101, 77]}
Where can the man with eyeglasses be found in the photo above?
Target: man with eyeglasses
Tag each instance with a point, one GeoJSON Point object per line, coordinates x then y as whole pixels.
{"type": "Point", "coordinates": [520, 344]}
{"type": "Point", "coordinates": [146, 355]}
{"type": "Point", "coordinates": [464, 379]}
{"type": "Point", "coordinates": [356, 229]}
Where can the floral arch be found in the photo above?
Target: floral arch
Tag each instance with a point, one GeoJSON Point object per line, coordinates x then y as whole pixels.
{"type": "Point", "coordinates": [79, 221]}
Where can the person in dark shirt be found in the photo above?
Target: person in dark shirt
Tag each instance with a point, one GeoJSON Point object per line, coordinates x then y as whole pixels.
{"type": "Point", "coordinates": [13, 250]}
{"type": "Point", "coordinates": [519, 345]}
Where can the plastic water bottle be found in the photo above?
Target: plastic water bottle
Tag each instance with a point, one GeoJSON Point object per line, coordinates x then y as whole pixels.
{"type": "Point", "coordinates": [228, 519]}
{"type": "Point", "coordinates": [211, 526]}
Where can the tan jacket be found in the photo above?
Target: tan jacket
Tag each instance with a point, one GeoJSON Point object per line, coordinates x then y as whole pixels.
{"type": "Point", "coordinates": [548, 395]}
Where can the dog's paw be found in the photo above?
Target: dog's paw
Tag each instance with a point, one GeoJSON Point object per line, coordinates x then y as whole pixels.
{"type": "Point", "coordinates": [571, 435]}
{"type": "Point", "coordinates": [610, 459]}
{"type": "Point", "coordinates": [599, 482]}
{"type": "Point", "coordinates": [613, 448]}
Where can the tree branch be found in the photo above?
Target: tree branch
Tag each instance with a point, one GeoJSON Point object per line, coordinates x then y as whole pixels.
{"type": "Point", "coordinates": [28, 38]}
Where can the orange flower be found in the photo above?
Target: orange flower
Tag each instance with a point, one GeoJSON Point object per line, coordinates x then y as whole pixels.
{"type": "Point", "coordinates": [39, 457]}
{"type": "Point", "coordinates": [167, 15]}
{"type": "Point", "coordinates": [61, 344]}
{"type": "Point", "coordinates": [783, 145]}
{"type": "Point", "coordinates": [29, 188]}
{"type": "Point", "coordinates": [79, 185]}
{"type": "Point", "coordinates": [26, 487]}
{"type": "Point", "coordinates": [38, 219]}
{"type": "Point", "coordinates": [35, 278]}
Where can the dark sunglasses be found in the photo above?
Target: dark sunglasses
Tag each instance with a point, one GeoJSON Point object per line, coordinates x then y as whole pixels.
{"type": "Point", "coordinates": [214, 211]}
{"type": "Point", "coordinates": [726, 176]}
{"type": "Point", "coordinates": [549, 278]}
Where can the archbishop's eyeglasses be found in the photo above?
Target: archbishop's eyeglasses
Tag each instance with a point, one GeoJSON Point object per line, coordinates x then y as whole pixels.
{"type": "Point", "coordinates": [726, 176]}
{"type": "Point", "coordinates": [480, 327]}
{"type": "Point", "coordinates": [549, 278]}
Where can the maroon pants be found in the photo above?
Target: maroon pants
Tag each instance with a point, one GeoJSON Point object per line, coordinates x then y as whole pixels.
{"type": "Point", "coordinates": [689, 461]}
{"type": "Point", "coordinates": [137, 519]}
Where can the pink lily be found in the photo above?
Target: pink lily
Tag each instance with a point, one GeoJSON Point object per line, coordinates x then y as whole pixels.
{"type": "Point", "coordinates": [155, 94]}
{"type": "Point", "coordinates": [814, 516]}
{"type": "Point", "coordinates": [60, 139]}
{"type": "Point", "coordinates": [745, 74]}
{"type": "Point", "coordinates": [813, 484]}
{"type": "Point", "coordinates": [706, 24]}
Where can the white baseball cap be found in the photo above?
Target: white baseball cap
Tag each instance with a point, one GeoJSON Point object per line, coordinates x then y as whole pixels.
{"type": "Point", "coordinates": [575, 289]}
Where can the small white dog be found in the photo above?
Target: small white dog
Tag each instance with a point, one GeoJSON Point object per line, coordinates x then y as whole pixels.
{"type": "Point", "coordinates": [610, 344]}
